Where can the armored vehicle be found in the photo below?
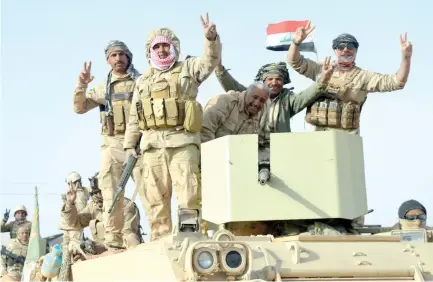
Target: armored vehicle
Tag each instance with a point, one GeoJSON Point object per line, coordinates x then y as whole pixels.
{"type": "Point", "coordinates": [313, 183]}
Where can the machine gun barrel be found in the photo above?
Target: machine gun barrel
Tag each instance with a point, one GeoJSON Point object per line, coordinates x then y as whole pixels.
{"type": "Point", "coordinates": [126, 173]}
{"type": "Point", "coordinates": [264, 176]}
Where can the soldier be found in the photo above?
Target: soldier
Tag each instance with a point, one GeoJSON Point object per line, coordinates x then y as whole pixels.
{"type": "Point", "coordinates": [92, 216]}
{"type": "Point", "coordinates": [12, 268]}
{"type": "Point", "coordinates": [20, 214]}
{"type": "Point", "coordinates": [74, 183]}
{"type": "Point", "coordinates": [220, 117]}
{"type": "Point", "coordinates": [113, 99]}
{"type": "Point", "coordinates": [349, 84]}
{"type": "Point", "coordinates": [170, 119]}
{"type": "Point", "coordinates": [412, 215]}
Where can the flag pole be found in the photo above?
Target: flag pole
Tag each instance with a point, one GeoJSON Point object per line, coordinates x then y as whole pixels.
{"type": "Point", "coordinates": [36, 247]}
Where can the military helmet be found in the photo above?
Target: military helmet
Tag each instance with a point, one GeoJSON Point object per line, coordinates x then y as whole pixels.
{"type": "Point", "coordinates": [20, 208]}
{"type": "Point", "coordinates": [73, 177]}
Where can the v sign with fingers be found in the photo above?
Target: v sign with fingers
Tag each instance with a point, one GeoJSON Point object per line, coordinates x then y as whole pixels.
{"type": "Point", "coordinates": [85, 76]}
{"type": "Point", "coordinates": [209, 28]}
{"type": "Point", "coordinates": [302, 32]}
{"type": "Point", "coordinates": [327, 70]}
{"type": "Point", "coordinates": [406, 46]}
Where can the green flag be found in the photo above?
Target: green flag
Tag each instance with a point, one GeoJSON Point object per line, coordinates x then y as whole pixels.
{"type": "Point", "coordinates": [36, 247]}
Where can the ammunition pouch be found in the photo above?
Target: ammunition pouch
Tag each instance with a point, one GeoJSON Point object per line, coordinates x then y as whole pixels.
{"type": "Point", "coordinates": [154, 113]}
{"type": "Point", "coordinates": [116, 123]}
{"type": "Point", "coordinates": [334, 113]}
{"type": "Point", "coordinates": [107, 123]}
{"type": "Point", "coordinates": [193, 116]}
{"type": "Point", "coordinates": [333, 109]}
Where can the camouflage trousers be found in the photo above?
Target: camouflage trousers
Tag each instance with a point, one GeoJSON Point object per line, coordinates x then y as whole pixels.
{"type": "Point", "coordinates": [111, 165]}
{"type": "Point", "coordinates": [162, 169]}
{"type": "Point", "coordinates": [131, 229]}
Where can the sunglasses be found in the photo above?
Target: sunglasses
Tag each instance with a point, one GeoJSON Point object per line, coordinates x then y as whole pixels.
{"type": "Point", "coordinates": [343, 45]}
{"type": "Point", "coordinates": [421, 217]}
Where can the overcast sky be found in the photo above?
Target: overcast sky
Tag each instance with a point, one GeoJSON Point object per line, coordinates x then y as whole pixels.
{"type": "Point", "coordinates": [44, 45]}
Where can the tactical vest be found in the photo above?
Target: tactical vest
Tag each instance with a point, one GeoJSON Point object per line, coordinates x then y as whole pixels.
{"type": "Point", "coordinates": [163, 105]}
{"type": "Point", "coordinates": [121, 96]}
{"type": "Point", "coordinates": [334, 109]}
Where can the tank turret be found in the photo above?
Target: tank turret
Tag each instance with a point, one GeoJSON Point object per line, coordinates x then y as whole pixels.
{"type": "Point", "coordinates": [301, 176]}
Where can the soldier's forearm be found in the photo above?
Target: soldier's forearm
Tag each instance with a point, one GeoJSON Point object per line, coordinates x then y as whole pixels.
{"type": "Point", "coordinates": [80, 98]}
{"type": "Point", "coordinates": [308, 96]}
{"type": "Point", "coordinates": [294, 53]}
{"type": "Point", "coordinates": [228, 82]}
{"type": "Point", "coordinates": [203, 66]}
{"type": "Point", "coordinates": [403, 72]}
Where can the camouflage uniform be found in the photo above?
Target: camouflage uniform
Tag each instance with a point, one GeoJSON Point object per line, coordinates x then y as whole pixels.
{"type": "Point", "coordinates": [14, 269]}
{"type": "Point", "coordinates": [80, 203]}
{"type": "Point", "coordinates": [91, 216]}
{"type": "Point", "coordinates": [112, 153]}
{"type": "Point", "coordinates": [13, 226]}
{"type": "Point", "coordinates": [349, 88]}
{"type": "Point", "coordinates": [170, 151]}
{"type": "Point", "coordinates": [227, 114]}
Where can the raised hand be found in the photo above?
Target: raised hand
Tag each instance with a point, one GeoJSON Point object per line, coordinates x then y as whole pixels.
{"type": "Point", "coordinates": [85, 76]}
{"type": "Point", "coordinates": [327, 70]}
{"type": "Point", "coordinates": [6, 215]}
{"type": "Point", "coordinates": [406, 46]}
{"type": "Point", "coordinates": [71, 195]}
{"type": "Point", "coordinates": [302, 32]}
{"type": "Point", "coordinates": [209, 28]}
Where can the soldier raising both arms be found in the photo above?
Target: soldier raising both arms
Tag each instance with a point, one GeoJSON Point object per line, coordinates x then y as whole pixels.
{"type": "Point", "coordinates": [349, 85]}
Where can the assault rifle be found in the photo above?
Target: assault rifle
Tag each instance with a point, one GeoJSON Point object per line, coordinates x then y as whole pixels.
{"type": "Point", "coordinates": [14, 257]}
{"type": "Point", "coordinates": [126, 173]}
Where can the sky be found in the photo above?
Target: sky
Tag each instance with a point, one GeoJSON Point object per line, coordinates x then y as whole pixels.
{"type": "Point", "coordinates": [45, 43]}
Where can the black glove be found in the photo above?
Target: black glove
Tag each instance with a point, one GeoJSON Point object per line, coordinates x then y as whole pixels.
{"type": "Point", "coordinates": [6, 215]}
{"type": "Point", "coordinates": [20, 259]}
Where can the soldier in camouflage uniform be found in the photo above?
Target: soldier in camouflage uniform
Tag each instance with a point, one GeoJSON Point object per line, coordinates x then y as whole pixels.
{"type": "Point", "coordinates": [166, 112]}
{"type": "Point", "coordinates": [74, 182]}
{"type": "Point", "coordinates": [11, 269]}
{"type": "Point", "coordinates": [20, 214]}
{"type": "Point", "coordinates": [113, 97]}
{"type": "Point", "coordinates": [92, 216]}
{"type": "Point", "coordinates": [220, 118]}
{"type": "Point", "coordinates": [349, 85]}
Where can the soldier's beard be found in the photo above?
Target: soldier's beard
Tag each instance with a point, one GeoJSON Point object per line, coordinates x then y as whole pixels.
{"type": "Point", "coordinates": [345, 62]}
{"type": "Point", "coordinates": [411, 224]}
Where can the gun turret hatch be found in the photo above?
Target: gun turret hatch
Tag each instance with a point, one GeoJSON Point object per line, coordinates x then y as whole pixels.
{"type": "Point", "coordinates": [314, 175]}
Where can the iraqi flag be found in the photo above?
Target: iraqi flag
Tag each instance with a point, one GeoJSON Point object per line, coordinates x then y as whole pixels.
{"type": "Point", "coordinates": [280, 35]}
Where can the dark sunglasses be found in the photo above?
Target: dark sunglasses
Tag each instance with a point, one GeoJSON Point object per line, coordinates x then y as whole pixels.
{"type": "Point", "coordinates": [343, 45]}
{"type": "Point", "coordinates": [421, 217]}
